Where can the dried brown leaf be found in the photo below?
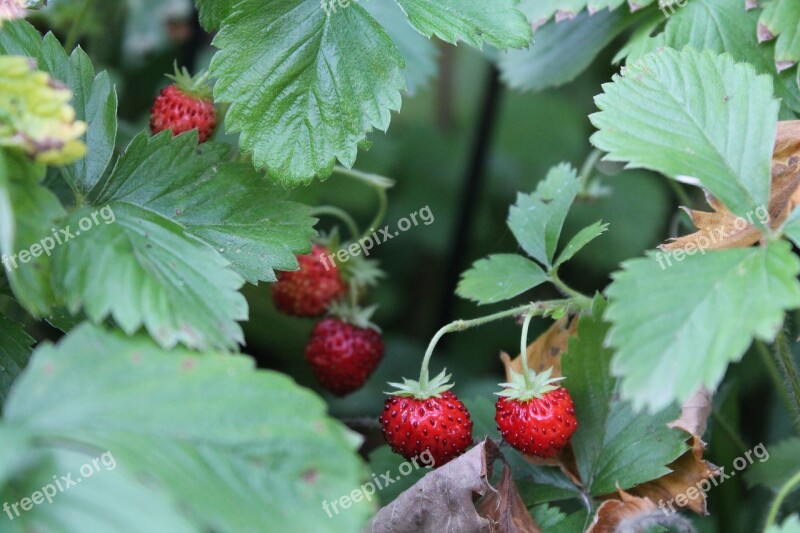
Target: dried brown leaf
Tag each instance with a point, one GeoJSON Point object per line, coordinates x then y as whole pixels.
{"type": "Point", "coordinates": [504, 508]}
{"type": "Point", "coordinates": [613, 515]}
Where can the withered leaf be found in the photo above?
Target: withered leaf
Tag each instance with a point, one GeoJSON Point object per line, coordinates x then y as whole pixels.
{"type": "Point", "coordinates": [622, 514]}
{"type": "Point", "coordinates": [442, 501]}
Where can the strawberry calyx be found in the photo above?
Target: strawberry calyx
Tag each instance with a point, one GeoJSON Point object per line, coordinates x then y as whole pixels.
{"type": "Point", "coordinates": [361, 317]}
{"type": "Point", "coordinates": [196, 87]}
{"type": "Point", "coordinates": [422, 391]}
{"type": "Point", "coordinates": [537, 386]}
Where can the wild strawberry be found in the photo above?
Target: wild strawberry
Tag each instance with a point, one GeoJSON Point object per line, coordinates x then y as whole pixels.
{"type": "Point", "coordinates": [536, 420]}
{"type": "Point", "coordinates": [185, 105]}
{"type": "Point", "coordinates": [343, 355]}
{"type": "Point", "coordinates": [309, 291]}
{"type": "Point", "coordinates": [428, 417]}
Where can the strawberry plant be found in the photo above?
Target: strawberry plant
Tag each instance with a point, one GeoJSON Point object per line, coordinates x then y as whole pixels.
{"type": "Point", "coordinates": [208, 281]}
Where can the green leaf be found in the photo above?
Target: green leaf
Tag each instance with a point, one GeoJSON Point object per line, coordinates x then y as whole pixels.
{"type": "Point", "coordinates": [792, 227]}
{"type": "Point", "coordinates": [419, 53]}
{"type": "Point", "coordinates": [536, 219]}
{"type": "Point", "coordinates": [213, 12]}
{"type": "Point", "coordinates": [697, 115]}
{"type": "Point", "coordinates": [93, 97]}
{"type": "Point", "coordinates": [677, 323]}
{"type": "Point", "coordinates": [581, 239]}
{"type": "Point", "coordinates": [775, 465]}
{"type": "Point", "coordinates": [719, 26]}
{"type": "Point", "coordinates": [234, 448]}
{"type": "Point", "coordinates": [304, 88]}
{"type": "Point", "coordinates": [789, 525]}
{"type": "Point", "coordinates": [144, 270]}
{"type": "Point", "coordinates": [498, 22]}
{"type": "Point", "coordinates": [254, 228]}
{"type": "Point", "coordinates": [541, 11]}
{"type": "Point", "coordinates": [552, 520]}
{"type": "Point", "coordinates": [15, 350]}
{"type": "Point", "coordinates": [613, 445]}
{"type": "Point", "coordinates": [781, 19]}
{"type": "Point", "coordinates": [500, 277]}
{"type": "Point", "coordinates": [562, 50]}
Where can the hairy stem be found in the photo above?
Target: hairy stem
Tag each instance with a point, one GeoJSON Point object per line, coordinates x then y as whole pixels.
{"type": "Point", "coordinates": [583, 301]}
{"type": "Point", "coordinates": [789, 374]}
{"type": "Point", "coordinates": [523, 347]}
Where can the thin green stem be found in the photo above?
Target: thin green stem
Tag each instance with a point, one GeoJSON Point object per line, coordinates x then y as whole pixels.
{"type": "Point", "coordinates": [583, 301]}
{"type": "Point", "coordinates": [784, 491]}
{"type": "Point", "coordinates": [523, 348]}
{"type": "Point", "coordinates": [774, 373]}
{"type": "Point", "coordinates": [383, 208]}
{"type": "Point", "coordinates": [789, 373]}
{"type": "Point", "coordinates": [726, 428]}
{"type": "Point", "coordinates": [341, 214]}
{"type": "Point", "coordinates": [461, 325]}
{"type": "Point", "coordinates": [75, 30]}
{"type": "Point", "coordinates": [377, 182]}
{"type": "Point", "coordinates": [588, 168]}
{"type": "Point", "coordinates": [683, 197]}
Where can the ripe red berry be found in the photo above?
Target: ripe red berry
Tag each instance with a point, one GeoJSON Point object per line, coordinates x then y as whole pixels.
{"type": "Point", "coordinates": [441, 425]}
{"type": "Point", "coordinates": [308, 292]}
{"type": "Point", "coordinates": [538, 426]}
{"type": "Point", "coordinates": [183, 106]}
{"type": "Point", "coordinates": [342, 355]}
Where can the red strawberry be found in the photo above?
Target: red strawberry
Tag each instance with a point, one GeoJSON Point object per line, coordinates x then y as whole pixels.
{"type": "Point", "coordinates": [538, 420]}
{"type": "Point", "coordinates": [185, 105]}
{"type": "Point", "coordinates": [414, 421]}
{"type": "Point", "coordinates": [309, 291]}
{"type": "Point", "coordinates": [342, 355]}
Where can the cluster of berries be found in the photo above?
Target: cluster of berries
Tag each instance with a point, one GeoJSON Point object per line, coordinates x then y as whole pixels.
{"type": "Point", "coordinates": [344, 348]}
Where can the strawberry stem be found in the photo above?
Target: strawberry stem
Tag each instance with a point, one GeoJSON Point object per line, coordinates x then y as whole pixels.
{"type": "Point", "coordinates": [341, 214]}
{"type": "Point", "coordinates": [583, 301]}
{"type": "Point", "coordinates": [530, 309]}
{"type": "Point", "coordinates": [379, 184]}
{"type": "Point", "coordinates": [523, 348]}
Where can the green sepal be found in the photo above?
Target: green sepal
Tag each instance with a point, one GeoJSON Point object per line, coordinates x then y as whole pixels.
{"type": "Point", "coordinates": [541, 384]}
{"type": "Point", "coordinates": [412, 389]}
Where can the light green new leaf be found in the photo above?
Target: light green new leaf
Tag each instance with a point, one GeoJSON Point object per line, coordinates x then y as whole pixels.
{"type": "Point", "coordinates": [677, 324]}
{"type": "Point", "coordinates": [419, 53]}
{"type": "Point", "coordinates": [498, 22]}
{"type": "Point", "coordinates": [613, 445]}
{"type": "Point", "coordinates": [213, 12]}
{"type": "Point", "coordinates": [15, 349]}
{"type": "Point", "coordinates": [254, 227]}
{"type": "Point", "coordinates": [536, 219]}
{"type": "Point", "coordinates": [144, 270]}
{"type": "Point", "coordinates": [774, 465]}
{"type": "Point", "coordinates": [781, 19]}
{"type": "Point", "coordinates": [562, 50]}
{"type": "Point", "coordinates": [304, 88]}
{"type": "Point", "coordinates": [719, 26]}
{"type": "Point", "coordinates": [581, 239]}
{"type": "Point", "coordinates": [237, 449]}
{"type": "Point", "coordinates": [500, 277]}
{"type": "Point", "coordinates": [696, 115]}
{"type": "Point", "coordinates": [93, 97]}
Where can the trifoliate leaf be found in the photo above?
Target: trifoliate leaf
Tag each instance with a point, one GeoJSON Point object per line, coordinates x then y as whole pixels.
{"type": "Point", "coordinates": [226, 446]}
{"type": "Point", "coordinates": [500, 277]}
{"type": "Point", "coordinates": [15, 349]}
{"type": "Point", "coordinates": [781, 19]}
{"type": "Point", "coordinates": [614, 446]}
{"type": "Point", "coordinates": [93, 97]}
{"type": "Point", "coordinates": [255, 227]}
{"type": "Point", "coordinates": [693, 115]}
{"type": "Point", "coordinates": [536, 219]}
{"type": "Point", "coordinates": [581, 239]}
{"type": "Point", "coordinates": [304, 87]}
{"type": "Point", "coordinates": [144, 270]}
{"type": "Point", "coordinates": [498, 22]}
{"type": "Point", "coordinates": [678, 321]}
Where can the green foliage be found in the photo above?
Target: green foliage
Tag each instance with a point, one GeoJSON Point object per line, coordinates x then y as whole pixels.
{"type": "Point", "coordinates": [613, 445]}
{"type": "Point", "coordinates": [697, 115]}
{"type": "Point", "coordinates": [777, 467]}
{"type": "Point", "coordinates": [14, 353]}
{"type": "Point", "coordinates": [677, 324]}
{"type": "Point", "coordinates": [200, 441]}
{"type": "Point", "coordinates": [781, 19]}
{"type": "Point", "coordinates": [500, 277]}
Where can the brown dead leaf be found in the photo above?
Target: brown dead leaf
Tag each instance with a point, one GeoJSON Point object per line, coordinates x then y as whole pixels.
{"type": "Point", "coordinates": [504, 508]}
{"type": "Point", "coordinates": [620, 514]}
{"type": "Point", "coordinates": [722, 229]}
{"type": "Point", "coordinates": [442, 501]}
